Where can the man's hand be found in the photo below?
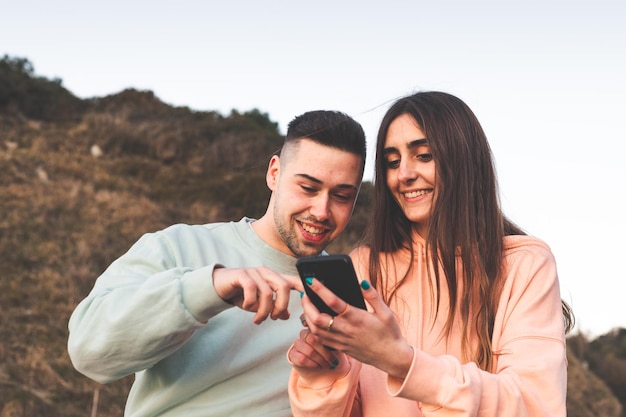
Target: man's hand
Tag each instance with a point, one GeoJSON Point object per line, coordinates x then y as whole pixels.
{"type": "Point", "coordinates": [259, 290]}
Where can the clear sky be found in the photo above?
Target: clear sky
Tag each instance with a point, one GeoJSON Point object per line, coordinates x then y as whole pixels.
{"type": "Point", "coordinates": [547, 79]}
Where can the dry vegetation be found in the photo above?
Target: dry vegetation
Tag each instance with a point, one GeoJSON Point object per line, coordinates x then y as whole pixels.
{"type": "Point", "coordinates": [69, 209]}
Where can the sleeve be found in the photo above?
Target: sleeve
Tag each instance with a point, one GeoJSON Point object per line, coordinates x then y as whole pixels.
{"type": "Point", "coordinates": [530, 374]}
{"type": "Point", "coordinates": [141, 309]}
{"type": "Point", "coordinates": [329, 393]}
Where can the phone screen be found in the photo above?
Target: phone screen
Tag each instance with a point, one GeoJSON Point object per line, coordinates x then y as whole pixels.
{"type": "Point", "coordinates": [337, 273]}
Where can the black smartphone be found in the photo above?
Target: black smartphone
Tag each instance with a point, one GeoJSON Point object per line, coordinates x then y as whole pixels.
{"type": "Point", "coordinates": [337, 273]}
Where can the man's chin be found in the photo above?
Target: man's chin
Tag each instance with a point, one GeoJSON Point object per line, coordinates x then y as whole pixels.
{"type": "Point", "coordinates": [310, 249]}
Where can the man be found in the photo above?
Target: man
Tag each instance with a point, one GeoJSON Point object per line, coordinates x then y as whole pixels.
{"type": "Point", "coordinates": [184, 308]}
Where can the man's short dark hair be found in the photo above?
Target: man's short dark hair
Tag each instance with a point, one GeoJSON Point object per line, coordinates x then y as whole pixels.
{"type": "Point", "coordinates": [329, 128]}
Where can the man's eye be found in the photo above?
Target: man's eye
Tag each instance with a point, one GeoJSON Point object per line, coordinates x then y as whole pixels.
{"type": "Point", "coordinates": [308, 189]}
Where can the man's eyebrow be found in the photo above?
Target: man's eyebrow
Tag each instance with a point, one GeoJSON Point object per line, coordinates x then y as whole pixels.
{"type": "Point", "coordinates": [411, 145]}
{"type": "Point", "coordinates": [310, 178]}
{"type": "Point", "coordinates": [318, 181]}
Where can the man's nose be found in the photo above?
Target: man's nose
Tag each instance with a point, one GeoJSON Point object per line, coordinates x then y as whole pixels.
{"type": "Point", "coordinates": [320, 207]}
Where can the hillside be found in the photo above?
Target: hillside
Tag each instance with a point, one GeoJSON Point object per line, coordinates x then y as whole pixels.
{"type": "Point", "coordinates": [81, 180]}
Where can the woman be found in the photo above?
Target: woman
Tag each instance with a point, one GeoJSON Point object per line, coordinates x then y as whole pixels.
{"type": "Point", "coordinates": [481, 334]}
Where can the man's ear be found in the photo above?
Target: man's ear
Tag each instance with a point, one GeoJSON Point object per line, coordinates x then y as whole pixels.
{"type": "Point", "coordinates": [273, 172]}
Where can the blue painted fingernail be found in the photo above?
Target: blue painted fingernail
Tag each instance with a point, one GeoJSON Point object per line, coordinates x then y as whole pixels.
{"type": "Point", "coordinates": [334, 363]}
{"type": "Point", "coordinates": [301, 294]}
{"type": "Point", "coordinates": [309, 280]}
{"type": "Point", "coordinates": [365, 285]}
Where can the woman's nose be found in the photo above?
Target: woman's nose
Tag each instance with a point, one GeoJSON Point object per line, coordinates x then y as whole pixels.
{"type": "Point", "coordinates": [407, 172]}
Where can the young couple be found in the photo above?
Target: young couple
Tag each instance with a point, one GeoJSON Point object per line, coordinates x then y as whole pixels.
{"type": "Point", "coordinates": [464, 312]}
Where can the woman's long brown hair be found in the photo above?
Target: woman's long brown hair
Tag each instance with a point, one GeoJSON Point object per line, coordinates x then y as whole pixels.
{"type": "Point", "coordinates": [466, 218]}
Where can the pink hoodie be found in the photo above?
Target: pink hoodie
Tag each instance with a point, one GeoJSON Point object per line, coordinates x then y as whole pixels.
{"type": "Point", "coordinates": [530, 366]}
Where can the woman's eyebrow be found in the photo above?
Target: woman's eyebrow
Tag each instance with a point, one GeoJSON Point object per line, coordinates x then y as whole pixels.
{"type": "Point", "coordinates": [417, 142]}
{"type": "Point", "coordinates": [411, 145]}
{"type": "Point", "coordinates": [390, 149]}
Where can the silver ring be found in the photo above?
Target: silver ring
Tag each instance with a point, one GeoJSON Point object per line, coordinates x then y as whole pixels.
{"type": "Point", "coordinates": [330, 324]}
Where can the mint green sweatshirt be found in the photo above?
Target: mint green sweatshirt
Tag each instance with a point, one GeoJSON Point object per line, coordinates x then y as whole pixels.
{"type": "Point", "coordinates": [154, 312]}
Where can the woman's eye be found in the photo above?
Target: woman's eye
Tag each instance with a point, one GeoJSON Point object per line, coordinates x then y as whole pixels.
{"type": "Point", "coordinates": [341, 198]}
{"type": "Point", "coordinates": [395, 163]}
{"type": "Point", "coordinates": [425, 157]}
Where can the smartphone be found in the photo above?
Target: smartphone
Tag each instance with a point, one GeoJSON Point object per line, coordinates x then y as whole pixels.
{"type": "Point", "coordinates": [336, 272]}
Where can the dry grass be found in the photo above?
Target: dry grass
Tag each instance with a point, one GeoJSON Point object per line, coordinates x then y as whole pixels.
{"type": "Point", "coordinates": [66, 215]}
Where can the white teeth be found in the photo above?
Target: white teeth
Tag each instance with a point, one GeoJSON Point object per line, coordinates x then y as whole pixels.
{"type": "Point", "coordinates": [312, 230]}
{"type": "Point", "coordinates": [413, 194]}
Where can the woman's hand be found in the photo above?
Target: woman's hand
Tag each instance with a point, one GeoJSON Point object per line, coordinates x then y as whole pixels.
{"type": "Point", "coordinates": [372, 337]}
{"type": "Point", "coordinates": [308, 352]}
